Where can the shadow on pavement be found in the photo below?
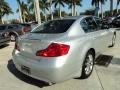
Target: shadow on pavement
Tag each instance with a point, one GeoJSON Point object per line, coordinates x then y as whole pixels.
{"type": "Point", "coordinates": [3, 46]}
{"type": "Point", "coordinates": [103, 60]}
{"type": "Point", "coordinates": [11, 67]}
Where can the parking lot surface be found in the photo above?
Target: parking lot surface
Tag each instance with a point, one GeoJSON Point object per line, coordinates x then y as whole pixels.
{"type": "Point", "coordinates": [105, 76]}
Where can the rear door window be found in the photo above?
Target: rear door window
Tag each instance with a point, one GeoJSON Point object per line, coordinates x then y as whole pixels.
{"type": "Point", "coordinates": [89, 25]}
{"type": "Point", "coordinates": [55, 26]}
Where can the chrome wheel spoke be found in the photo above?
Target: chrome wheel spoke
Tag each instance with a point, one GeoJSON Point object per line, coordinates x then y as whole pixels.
{"type": "Point", "coordinates": [89, 64]}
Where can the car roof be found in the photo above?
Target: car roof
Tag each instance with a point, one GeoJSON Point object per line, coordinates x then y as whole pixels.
{"type": "Point", "coordinates": [8, 24]}
{"type": "Point", "coordinates": [76, 17]}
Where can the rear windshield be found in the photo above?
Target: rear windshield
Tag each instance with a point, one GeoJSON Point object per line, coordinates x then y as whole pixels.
{"type": "Point", "coordinates": [55, 26]}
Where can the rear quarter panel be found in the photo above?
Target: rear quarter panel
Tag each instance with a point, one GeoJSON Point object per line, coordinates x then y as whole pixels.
{"type": "Point", "coordinates": [79, 46]}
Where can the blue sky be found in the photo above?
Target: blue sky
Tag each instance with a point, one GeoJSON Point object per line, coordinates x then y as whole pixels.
{"type": "Point", "coordinates": [86, 4]}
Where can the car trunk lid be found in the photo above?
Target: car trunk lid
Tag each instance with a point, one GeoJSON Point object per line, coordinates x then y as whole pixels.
{"type": "Point", "coordinates": [29, 44]}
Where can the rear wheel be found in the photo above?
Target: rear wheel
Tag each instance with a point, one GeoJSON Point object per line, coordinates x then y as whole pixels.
{"type": "Point", "coordinates": [88, 65]}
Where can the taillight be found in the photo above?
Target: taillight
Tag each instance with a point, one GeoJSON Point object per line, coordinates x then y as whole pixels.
{"type": "Point", "coordinates": [54, 50]}
{"type": "Point", "coordinates": [17, 47]}
{"type": "Point", "coordinates": [25, 29]}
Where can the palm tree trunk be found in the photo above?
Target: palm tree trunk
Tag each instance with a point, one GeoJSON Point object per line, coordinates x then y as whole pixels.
{"type": "Point", "coordinates": [24, 18]}
{"type": "Point", "coordinates": [111, 7]}
{"type": "Point", "coordinates": [101, 11]}
{"type": "Point", "coordinates": [117, 8]}
{"type": "Point", "coordinates": [38, 11]}
{"type": "Point", "coordinates": [20, 15]}
{"type": "Point", "coordinates": [0, 20]}
{"type": "Point", "coordinates": [45, 15]}
{"type": "Point", "coordinates": [51, 10]}
{"type": "Point", "coordinates": [97, 7]}
{"type": "Point", "coordinates": [60, 10]}
{"type": "Point", "coordinates": [35, 11]}
{"type": "Point", "coordinates": [74, 8]}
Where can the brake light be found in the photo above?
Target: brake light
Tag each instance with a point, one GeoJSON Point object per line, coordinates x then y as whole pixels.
{"type": "Point", "coordinates": [54, 50]}
{"type": "Point", "coordinates": [25, 29]}
{"type": "Point", "coordinates": [17, 47]}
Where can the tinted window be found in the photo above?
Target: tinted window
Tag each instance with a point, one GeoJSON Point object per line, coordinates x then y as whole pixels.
{"type": "Point", "coordinates": [55, 26]}
{"type": "Point", "coordinates": [10, 27]}
{"type": "Point", "coordinates": [2, 27]}
{"type": "Point", "coordinates": [88, 24]}
{"type": "Point", "coordinates": [26, 25]}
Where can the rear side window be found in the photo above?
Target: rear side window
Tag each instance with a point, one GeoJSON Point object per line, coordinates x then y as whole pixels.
{"type": "Point", "coordinates": [2, 27]}
{"type": "Point", "coordinates": [55, 26]}
{"type": "Point", "coordinates": [88, 24]}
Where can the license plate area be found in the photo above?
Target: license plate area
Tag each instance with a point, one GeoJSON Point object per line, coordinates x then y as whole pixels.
{"type": "Point", "coordinates": [25, 69]}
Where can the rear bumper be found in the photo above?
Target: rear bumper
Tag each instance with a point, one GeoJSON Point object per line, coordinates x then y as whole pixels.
{"type": "Point", "coordinates": [4, 41]}
{"type": "Point", "coordinates": [42, 72]}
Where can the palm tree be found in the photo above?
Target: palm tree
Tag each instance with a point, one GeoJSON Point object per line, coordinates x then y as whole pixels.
{"type": "Point", "coordinates": [72, 4]}
{"type": "Point", "coordinates": [32, 8]}
{"type": "Point", "coordinates": [60, 3]}
{"type": "Point", "coordinates": [35, 7]}
{"type": "Point", "coordinates": [44, 6]}
{"type": "Point", "coordinates": [96, 3]}
{"type": "Point", "coordinates": [24, 11]}
{"type": "Point", "coordinates": [4, 9]}
{"type": "Point", "coordinates": [50, 8]}
{"type": "Point", "coordinates": [20, 13]}
{"type": "Point", "coordinates": [118, 2]}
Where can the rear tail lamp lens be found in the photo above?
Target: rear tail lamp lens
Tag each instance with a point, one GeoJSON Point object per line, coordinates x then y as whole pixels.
{"type": "Point", "coordinates": [54, 50]}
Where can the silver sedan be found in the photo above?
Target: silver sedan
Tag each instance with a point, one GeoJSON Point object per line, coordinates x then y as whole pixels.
{"type": "Point", "coordinates": [62, 49]}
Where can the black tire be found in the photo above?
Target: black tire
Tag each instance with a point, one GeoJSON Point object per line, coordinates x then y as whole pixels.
{"type": "Point", "coordinates": [84, 74]}
{"type": "Point", "coordinates": [113, 40]}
